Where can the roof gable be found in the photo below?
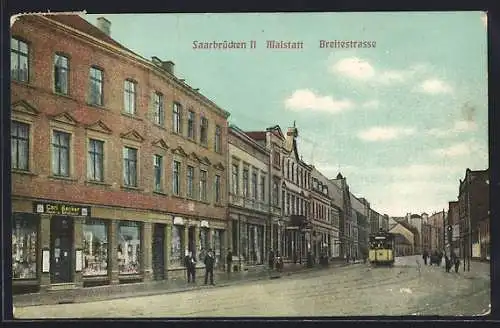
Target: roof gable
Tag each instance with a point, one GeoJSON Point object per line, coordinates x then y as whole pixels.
{"type": "Point", "coordinates": [99, 126]}
{"type": "Point", "coordinates": [179, 151]}
{"type": "Point", "coordinates": [64, 117]}
{"type": "Point", "coordinates": [132, 135]}
{"type": "Point", "coordinates": [160, 143]}
{"type": "Point", "coordinates": [194, 157]}
{"type": "Point", "coordinates": [23, 106]}
{"type": "Point", "coordinates": [219, 166]}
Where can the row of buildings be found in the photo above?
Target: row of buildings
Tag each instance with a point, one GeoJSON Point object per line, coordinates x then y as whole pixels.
{"type": "Point", "coordinates": [119, 167]}
{"type": "Point", "coordinates": [463, 228]}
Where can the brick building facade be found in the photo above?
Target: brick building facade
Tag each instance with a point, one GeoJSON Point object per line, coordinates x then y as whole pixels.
{"type": "Point", "coordinates": [118, 166]}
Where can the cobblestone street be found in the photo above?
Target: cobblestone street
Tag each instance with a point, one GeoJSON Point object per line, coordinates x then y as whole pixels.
{"type": "Point", "coordinates": [343, 291]}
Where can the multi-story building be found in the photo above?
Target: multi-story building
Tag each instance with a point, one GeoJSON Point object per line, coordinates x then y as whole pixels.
{"type": "Point", "coordinates": [437, 222]}
{"type": "Point", "coordinates": [453, 228]}
{"type": "Point", "coordinates": [336, 210]}
{"type": "Point", "coordinates": [426, 238]}
{"type": "Point", "coordinates": [375, 222]}
{"type": "Point", "coordinates": [248, 197]}
{"type": "Point", "coordinates": [347, 248]}
{"type": "Point", "coordinates": [360, 209]}
{"type": "Point", "coordinates": [401, 226]}
{"type": "Point", "coordinates": [384, 222]}
{"type": "Point", "coordinates": [417, 221]}
{"type": "Point", "coordinates": [321, 214]}
{"type": "Point", "coordinates": [473, 200]}
{"type": "Point", "coordinates": [273, 140]}
{"type": "Point", "coordinates": [134, 169]}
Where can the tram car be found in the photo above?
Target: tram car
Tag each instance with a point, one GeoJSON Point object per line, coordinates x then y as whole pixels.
{"type": "Point", "coordinates": [381, 248]}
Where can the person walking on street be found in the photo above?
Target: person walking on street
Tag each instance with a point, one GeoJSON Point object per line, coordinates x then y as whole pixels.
{"type": "Point", "coordinates": [271, 259]}
{"type": "Point", "coordinates": [229, 261]}
{"type": "Point", "coordinates": [447, 263]}
{"type": "Point", "coordinates": [209, 267]}
{"type": "Point", "coordinates": [425, 256]}
{"type": "Point", "coordinates": [455, 261]}
{"type": "Point", "coordinates": [190, 263]}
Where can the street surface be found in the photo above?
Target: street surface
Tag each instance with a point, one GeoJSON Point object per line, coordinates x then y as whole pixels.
{"type": "Point", "coordinates": [408, 288]}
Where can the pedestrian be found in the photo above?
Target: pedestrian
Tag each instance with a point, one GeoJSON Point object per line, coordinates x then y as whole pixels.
{"type": "Point", "coordinates": [425, 256]}
{"type": "Point", "coordinates": [229, 261]}
{"type": "Point", "coordinates": [455, 261]}
{"type": "Point", "coordinates": [209, 267]}
{"type": "Point", "coordinates": [447, 263]}
{"type": "Point", "coordinates": [271, 259]}
{"type": "Point", "coordinates": [190, 263]}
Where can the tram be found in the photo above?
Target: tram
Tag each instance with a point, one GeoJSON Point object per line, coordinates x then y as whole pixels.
{"type": "Point", "coordinates": [381, 250]}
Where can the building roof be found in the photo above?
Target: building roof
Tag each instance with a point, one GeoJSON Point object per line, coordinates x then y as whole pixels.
{"type": "Point", "coordinates": [82, 25]}
{"type": "Point", "coordinates": [409, 227]}
{"type": "Point", "coordinates": [401, 239]}
{"type": "Point", "coordinates": [256, 135]}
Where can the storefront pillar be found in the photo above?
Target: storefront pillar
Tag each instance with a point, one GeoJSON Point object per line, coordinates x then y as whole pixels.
{"type": "Point", "coordinates": [197, 242]}
{"type": "Point", "coordinates": [167, 248]}
{"type": "Point", "coordinates": [186, 239]}
{"type": "Point", "coordinates": [113, 253]}
{"type": "Point", "coordinates": [229, 237]}
{"type": "Point", "coordinates": [147, 256]}
{"type": "Point", "coordinates": [44, 246]}
{"type": "Point", "coordinates": [78, 249]}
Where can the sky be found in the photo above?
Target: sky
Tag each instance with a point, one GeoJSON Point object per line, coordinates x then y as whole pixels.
{"type": "Point", "coordinates": [402, 120]}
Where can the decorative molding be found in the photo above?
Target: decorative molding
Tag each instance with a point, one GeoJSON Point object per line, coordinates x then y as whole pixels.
{"type": "Point", "coordinates": [132, 135]}
{"type": "Point", "coordinates": [205, 160]}
{"type": "Point", "coordinates": [23, 106]}
{"type": "Point", "coordinates": [179, 151]}
{"type": "Point", "coordinates": [219, 166]}
{"type": "Point", "coordinates": [99, 126]}
{"type": "Point", "coordinates": [195, 157]}
{"type": "Point", "coordinates": [65, 118]}
{"type": "Point", "coordinates": [160, 143]}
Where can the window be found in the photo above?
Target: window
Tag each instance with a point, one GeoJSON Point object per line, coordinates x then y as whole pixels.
{"type": "Point", "coordinates": [190, 181]}
{"type": "Point", "coordinates": [24, 247]}
{"type": "Point", "coordinates": [95, 248]}
{"type": "Point", "coordinates": [159, 112]}
{"type": "Point", "coordinates": [96, 86]}
{"type": "Point", "coordinates": [203, 185]}
{"type": "Point", "coordinates": [130, 167]}
{"type": "Point", "coordinates": [19, 63]}
{"type": "Point", "coordinates": [60, 153]}
{"type": "Point", "coordinates": [129, 247]}
{"type": "Point", "coordinates": [129, 96]}
{"type": "Point", "coordinates": [276, 158]}
{"type": "Point", "coordinates": [262, 188]}
{"type": "Point", "coordinates": [287, 203]}
{"type": "Point", "coordinates": [19, 143]}
{"type": "Point", "coordinates": [235, 179]}
{"type": "Point", "coordinates": [218, 140]}
{"type": "Point", "coordinates": [245, 183]}
{"type": "Point", "coordinates": [176, 254]}
{"type": "Point", "coordinates": [254, 185]}
{"type": "Point", "coordinates": [204, 131]}
{"type": "Point", "coordinates": [176, 183]}
{"type": "Point", "coordinates": [217, 189]}
{"type": "Point", "coordinates": [275, 193]}
{"type": "Point", "coordinates": [158, 172]}
{"type": "Point", "coordinates": [95, 170]}
{"type": "Point", "coordinates": [191, 125]}
{"type": "Point", "coordinates": [176, 120]}
{"type": "Point", "coordinates": [61, 73]}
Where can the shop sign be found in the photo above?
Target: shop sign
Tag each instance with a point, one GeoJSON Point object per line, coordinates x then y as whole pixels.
{"type": "Point", "coordinates": [178, 220]}
{"type": "Point", "coordinates": [204, 224]}
{"type": "Point", "coordinates": [61, 209]}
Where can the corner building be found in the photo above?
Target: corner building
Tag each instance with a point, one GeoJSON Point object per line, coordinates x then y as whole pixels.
{"type": "Point", "coordinates": [118, 167]}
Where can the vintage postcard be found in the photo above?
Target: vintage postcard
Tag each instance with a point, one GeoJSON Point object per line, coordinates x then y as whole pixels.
{"type": "Point", "coordinates": [257, 164]}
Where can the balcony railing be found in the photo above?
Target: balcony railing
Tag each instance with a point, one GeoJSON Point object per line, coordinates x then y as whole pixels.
{"type": "Point", "coordinates": [249, 203]}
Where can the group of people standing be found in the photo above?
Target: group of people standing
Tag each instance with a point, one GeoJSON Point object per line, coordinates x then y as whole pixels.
{"type": "Point", "coordinates": [436, 257]}
{"type": "Point", "coordinates": [190, 263]}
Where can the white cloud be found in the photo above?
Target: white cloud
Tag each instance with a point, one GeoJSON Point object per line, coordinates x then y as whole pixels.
{"type": "Point", "coordinates": [372, 104]}
{"type": "Point", "coordinates": [421, 171]}
{"type": "Point", "coordinates": [383, 133]}
{"type": "Point", "coordinates": [361, 70]}
{"type": "Point", "coordinates": [459, 127]}
{"type": "Point", "coordinates": [434, 86]}
{"type": "Point", "coordinates": [306, 99]}
{"type": "Point", "coordinates": [462, 149]}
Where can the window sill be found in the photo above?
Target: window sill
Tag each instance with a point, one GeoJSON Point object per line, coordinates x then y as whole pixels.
{"type": "Point", "coordinates": [131, 188]}
{"type": "Point", "coordinates": [132, 116]}
{"type": "Point", "coordinates": [99, 183]}
{"type": "Point", "coordinates": [62, 95]}
{"type": "Point", "coordinates": [54, 177]}
{"type": "Point", "coordinates": [158, 192]}
{"type": "Point", "coordinates": [23, 83]}
{"type": "Point", "coordinates": [159, 126]}
{"type": "Point", "coordinates": [96, 106]}
{"type": "Point", "coordinates": [23, 172]}
{"type": "Point", "coordinates": [178, 196]}
{"type": "Point", "coordinates": [179, 134]}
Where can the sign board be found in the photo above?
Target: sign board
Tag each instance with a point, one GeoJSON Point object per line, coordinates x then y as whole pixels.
{"type": "Point", "coordinates": [204, 224]}
{"type": "Point", "coordinates": [45, 261]}
{"type": "Point", "coordinates": [61, 209]}
{"type": "Point", "coordinates": [78, 261]}
{"type": "Point", "coordinates": [178, 220]}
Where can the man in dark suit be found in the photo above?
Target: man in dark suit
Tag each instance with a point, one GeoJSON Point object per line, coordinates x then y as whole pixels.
{"type": "Point", "coordinates": [229, 261]}
{"type": "Point", "coordinates": [190, 263]}
{"type": "Point", "coordinates": [209, 267]}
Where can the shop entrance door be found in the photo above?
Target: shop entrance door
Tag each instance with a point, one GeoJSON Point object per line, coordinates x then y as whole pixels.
{"type": "Point", "coordinates": [159, 251]}
{"type": "Point", "coordinates": [61, 249]}
{"type": "Point", "coordinates": [192, 241]}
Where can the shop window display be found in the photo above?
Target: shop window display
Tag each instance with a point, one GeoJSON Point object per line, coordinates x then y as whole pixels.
{"type": "Point", "coordinates": [177, 253]}
{"type": "Point", "coordinates": [24, 248]}
{"type": "Point", "coordinates": [95, 248]}
{"type": "Point", "coordinates": [129, 247]}
{"type": "Point", "coordinates": [216, 238]}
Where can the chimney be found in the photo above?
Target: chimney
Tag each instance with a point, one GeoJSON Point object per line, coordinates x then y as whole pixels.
{"type": "Point", "coordinates": [104, 25]}
{"type": "Point", "coordinates": [168, 66]}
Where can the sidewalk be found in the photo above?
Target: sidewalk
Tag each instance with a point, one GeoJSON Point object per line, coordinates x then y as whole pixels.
{"type": "Point", "coordinates": [100, 293]}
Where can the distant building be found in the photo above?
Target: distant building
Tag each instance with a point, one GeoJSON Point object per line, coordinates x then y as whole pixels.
{"type": "Point", "coordinates": [404, 245]}
{"type": "Point", "coordinates": [410, 234]}
{"type": "Point", "coordinates": [453, 228]}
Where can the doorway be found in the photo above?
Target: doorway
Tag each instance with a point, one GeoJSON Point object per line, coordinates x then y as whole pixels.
{"type": "Point", "coordinates": [192, 241]}
{"type": "Point", "coordinates": [61, 247]}
{"type": "Point", "coordinates": [159, 251]}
